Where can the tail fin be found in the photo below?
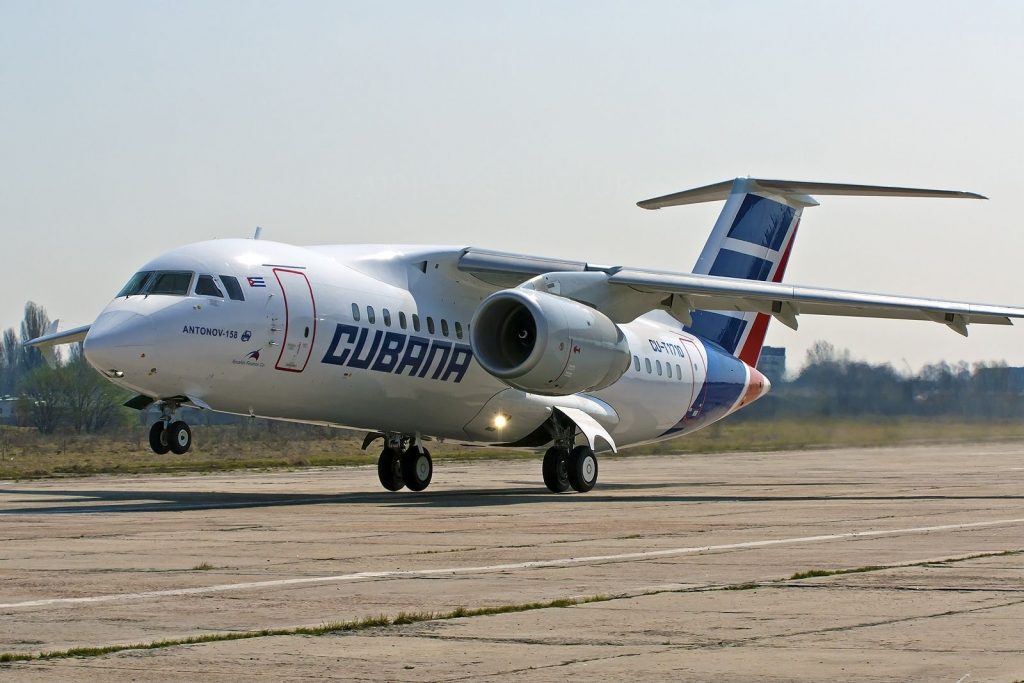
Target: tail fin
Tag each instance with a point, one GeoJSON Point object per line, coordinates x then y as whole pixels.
{"type": "Point", "coordinates": [752, 239]}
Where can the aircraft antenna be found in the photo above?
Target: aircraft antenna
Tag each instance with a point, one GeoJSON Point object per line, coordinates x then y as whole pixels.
{"type": "Point", "coordinates": [258, 232]}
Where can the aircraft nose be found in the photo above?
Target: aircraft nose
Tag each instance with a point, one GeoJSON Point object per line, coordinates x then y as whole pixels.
{"type": "Point", "coordinates": [117, 339]}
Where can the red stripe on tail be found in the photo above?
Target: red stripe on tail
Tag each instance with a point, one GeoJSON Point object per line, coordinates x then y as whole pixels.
{"type": "Point", "coordinates": [755, 340]}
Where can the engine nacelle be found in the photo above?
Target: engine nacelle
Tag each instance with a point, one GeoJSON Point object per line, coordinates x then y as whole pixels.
{"type": "Point", "coordinates": [546, 344]}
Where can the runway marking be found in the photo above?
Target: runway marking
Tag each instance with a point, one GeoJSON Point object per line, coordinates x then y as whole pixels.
{"type": "Point", "coordinates": [531, 564]}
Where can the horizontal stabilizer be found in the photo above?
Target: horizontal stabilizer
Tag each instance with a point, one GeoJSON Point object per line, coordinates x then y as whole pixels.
{"type": "Point", "coordinates": [721, 191]}
{"type": "Point", "coordinates": [54, 338]}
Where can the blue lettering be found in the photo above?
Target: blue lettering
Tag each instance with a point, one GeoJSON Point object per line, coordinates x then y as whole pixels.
{"type": "Point", "coordinates": [388, 356]}
{"type": "Point", "coordinates": [415, 350]}
{"type": "Point", "coordinates": [445, 349]}
{"type": "Point", "coordinates": [339, 331]}
{"type": "Point", "coordinates": [363, 363]}
{"type": "Point", "coordinates": [462, 356]}
{"type": "Point", "coordinates": [391, 352]}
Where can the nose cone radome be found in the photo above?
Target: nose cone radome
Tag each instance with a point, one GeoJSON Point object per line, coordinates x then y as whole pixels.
{"type": "Point", "coordinates": [116, 341]}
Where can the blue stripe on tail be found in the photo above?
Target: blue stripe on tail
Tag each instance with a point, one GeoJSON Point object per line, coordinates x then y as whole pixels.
{"type": "Point", "coordinates": [730, 263]}
{"type": "Point", "coordinates": [762, 222]}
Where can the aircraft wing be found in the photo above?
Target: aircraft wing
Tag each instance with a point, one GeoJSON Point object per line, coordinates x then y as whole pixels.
{"type": "Point", "coordinates": [622, 291]}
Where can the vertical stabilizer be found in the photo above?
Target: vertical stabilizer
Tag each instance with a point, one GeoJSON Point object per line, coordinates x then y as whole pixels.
{"type": "Point", "coordinates": [752, 240]}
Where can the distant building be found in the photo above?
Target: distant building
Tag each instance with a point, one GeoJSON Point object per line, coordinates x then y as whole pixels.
{"type": "Point", "coordinates": [772, 363]}
{"type": "Point", "coordinates": [8, 410]}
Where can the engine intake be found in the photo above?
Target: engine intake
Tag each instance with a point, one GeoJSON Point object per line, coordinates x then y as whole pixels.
{"type": "Point", "coordinates": [546, 344]}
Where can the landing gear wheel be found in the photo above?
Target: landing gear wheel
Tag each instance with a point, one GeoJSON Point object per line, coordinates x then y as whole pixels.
{"type": "Point", "coordinates": [417, 468]}
{"type": "Point", "coordinates": [582, 468]}
{"type": "Point", "coordinates": [158, 438]}
{"type": "Point", "coordinates": [389, 469]}
{"type": "Point", "coordinates": [179, 437]}
{"type": "Point", "coordinates": [556, 469]}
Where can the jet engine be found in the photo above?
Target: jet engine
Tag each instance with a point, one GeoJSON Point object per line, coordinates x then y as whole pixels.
{"type": "Point", "coordinates": [547, 344]}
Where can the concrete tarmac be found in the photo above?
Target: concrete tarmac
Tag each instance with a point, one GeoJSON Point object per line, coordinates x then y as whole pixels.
{"type": "Point", "coordinates": [696, 554]}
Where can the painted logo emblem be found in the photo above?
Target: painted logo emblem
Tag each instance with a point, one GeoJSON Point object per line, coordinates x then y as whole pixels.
{"type": "Point", "coordinates": [254, 355]}
{"type": "Point", "coordinates": [247, 335]}
{"type": "Point", "coordinates": [256, 281]}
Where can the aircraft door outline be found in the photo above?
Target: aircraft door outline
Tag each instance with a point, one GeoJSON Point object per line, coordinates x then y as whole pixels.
{"type": "Point", "coordinates": [699, 369]}
{"type": "Point", "coordinates": [299, 320]}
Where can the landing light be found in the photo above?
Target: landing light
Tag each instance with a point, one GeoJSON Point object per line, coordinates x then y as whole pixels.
{"type": "Point", "coordinates": [500, 421]}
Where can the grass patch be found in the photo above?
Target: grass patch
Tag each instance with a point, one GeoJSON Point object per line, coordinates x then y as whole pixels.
{"type": "Point", "coordinates": [815, 573]}
{"type": "Point", "coordinates": [406, 618]}
{"type": "Point", "coordinates": [26, 454]}
{"type": "Point", "coordinates": [382, 621]}
{"type": "Point", "coordinates": [202, 567]}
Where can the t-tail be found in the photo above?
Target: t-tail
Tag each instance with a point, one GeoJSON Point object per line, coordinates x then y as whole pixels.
{"type": "Point", "coordinates": [753, 239]}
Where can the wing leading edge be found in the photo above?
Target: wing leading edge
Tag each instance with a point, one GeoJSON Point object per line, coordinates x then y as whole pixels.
{"type": "Point", "coordinates": [660, 290]}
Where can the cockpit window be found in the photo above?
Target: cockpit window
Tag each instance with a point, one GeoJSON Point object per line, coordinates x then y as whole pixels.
{"type": "Point", "coordinates": [137, 285]}
{"type": "Point", "coordinates": [170, 282]}
{"type": "Point", "coordinates": [207, 287]}
{"type": "Point", "coordinates": [234, 289]}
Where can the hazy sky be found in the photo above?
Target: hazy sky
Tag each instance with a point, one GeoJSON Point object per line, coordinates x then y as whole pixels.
{"type": "Point", "coordinates": [129, 128]}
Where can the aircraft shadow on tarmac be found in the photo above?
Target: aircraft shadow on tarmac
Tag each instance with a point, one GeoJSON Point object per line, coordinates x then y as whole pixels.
{"type": "Point", "coordinates": [99, 501]}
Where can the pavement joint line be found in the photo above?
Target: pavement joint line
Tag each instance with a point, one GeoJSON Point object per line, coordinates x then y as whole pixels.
{"type": "Point", "coordinates": [531, 564]}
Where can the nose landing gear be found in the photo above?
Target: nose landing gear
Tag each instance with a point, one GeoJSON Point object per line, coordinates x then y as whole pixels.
{"type": "Point", "coordinates": [168, 434]}
{"type": "Point", "coordinates": [403, 464]}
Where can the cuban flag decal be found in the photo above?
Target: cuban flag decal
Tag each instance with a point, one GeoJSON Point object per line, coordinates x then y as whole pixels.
{"type": "Point", "coordinates": [256, 282]}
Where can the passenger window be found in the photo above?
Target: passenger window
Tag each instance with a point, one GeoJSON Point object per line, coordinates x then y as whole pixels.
{"type": "Point", "coordinates": [355, 312]}
{"type": "Point", "coordinates": [415, 322]}
{"type": "Point", "coordinates": [458, 330]}
{"type": "Point", "coordinates": [679, 371]}
{"type": "Point", "coordinates": [636, 363]}
{"type": "Point", "coordinates": [207, 287]}
{"type": "Point", "coordinates": [659, 367]}
{"type": "Point", "coordinates": [387, 317]}
{"type": "Point", "coordinates": [430, 325]}
{"type": "Point", "coordinates": [370, 317]}
{"type": "Point", "coordinates": [668, 370]}
{"type": "Point", "coordinates": [647, 362]}
{"type": "Point", "coordinates": [401, 319]}
{"type": "Point", "coordinates": [234, 289]}
{"type": "Point", "coordinates": [175, 283]}
{"type": "Point", "coordinates": [137, 285]}
{"type": "Point", "coordinates": [444, 327]}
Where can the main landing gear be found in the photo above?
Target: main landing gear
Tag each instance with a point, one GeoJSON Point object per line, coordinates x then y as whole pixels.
{"type": "Point", "coordinates": [566, 465]}
{"type": "Point", "coordinates": [403, 464]}
{"type": "Point", "coordinates": [168, 434]}
{"type": "Point", "coordinates": [564, 469]}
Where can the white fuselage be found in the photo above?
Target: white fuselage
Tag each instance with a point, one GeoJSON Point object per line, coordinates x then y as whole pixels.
{"type": "Point", "coordinates": [377, 338]}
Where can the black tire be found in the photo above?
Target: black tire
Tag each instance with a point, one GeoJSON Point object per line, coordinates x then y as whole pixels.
{"type": "Point", "coordinates": [417, 468]}
{"type": "Point", "coordinates": [389, 469]}
{"type": "Point", "coordinates": [582, 468]}
{"type": "Point", "coordinates": [179, 438]}
{"type": "Point", "coordinates": [158, 438]}
{"type": "Point", "coordinates": [556, 469]}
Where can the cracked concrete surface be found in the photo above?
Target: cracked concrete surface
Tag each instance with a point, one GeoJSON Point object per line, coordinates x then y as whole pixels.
{"type": "Point", "coordinates": [119, 537]}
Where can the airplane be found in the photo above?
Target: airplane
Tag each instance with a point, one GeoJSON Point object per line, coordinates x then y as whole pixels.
{"type": "Point", "coordinates": [418, 343]}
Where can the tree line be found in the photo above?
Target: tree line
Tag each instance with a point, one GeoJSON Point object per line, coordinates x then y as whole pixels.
{"type": "Point", "coordinates": [71, 396]}
{"type": "Point", "coordinates": [65, 396]}
{"type": "Point", "coordinates": [834, 384]}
